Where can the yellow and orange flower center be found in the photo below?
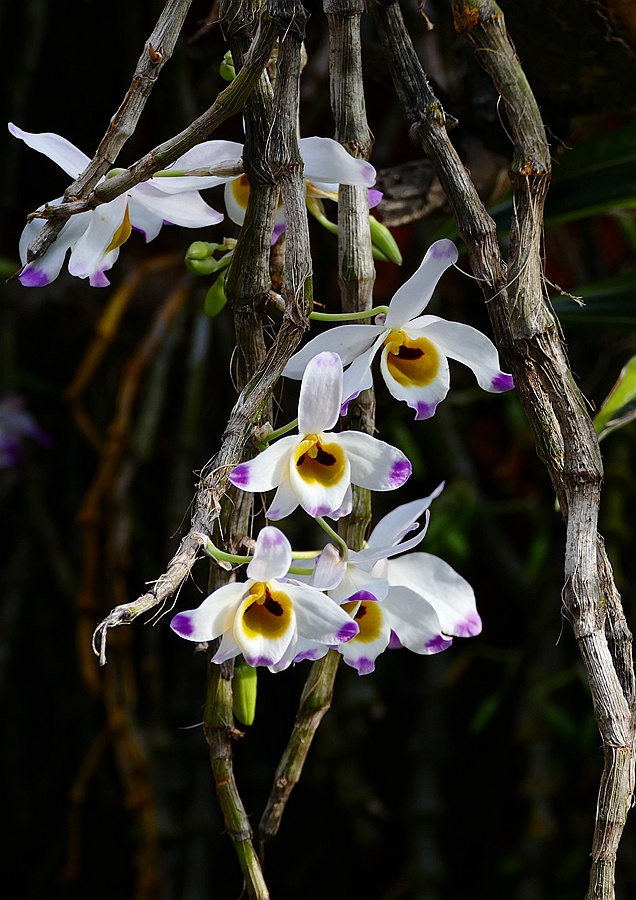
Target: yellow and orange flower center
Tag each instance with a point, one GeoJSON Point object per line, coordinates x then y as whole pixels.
{"type": "Point", "coordinates": [266, 612]}
{"type": "Point", "coordinates": [411, 361]}
{"type": "Point", "coordinates": [369, 619]}
{"type": "Point", "coordinates": [122, 234]}
{"type": "Point", "coordinates": [320, 463]}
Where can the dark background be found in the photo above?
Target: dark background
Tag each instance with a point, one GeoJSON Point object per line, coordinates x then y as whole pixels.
{"type": "Point", "coordinates": [469, 774]}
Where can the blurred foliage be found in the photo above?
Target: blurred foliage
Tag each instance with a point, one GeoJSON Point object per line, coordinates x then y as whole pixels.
{"type": "Point", "coordinates": [487, 754]}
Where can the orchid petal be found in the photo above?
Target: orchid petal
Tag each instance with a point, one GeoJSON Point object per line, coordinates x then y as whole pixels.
{"type": "Point", "coordinates": [212, 618]}
{"type": "Point", "coordinates": [268, 469]}
{"type": "Point", "coordinates": [328, 161]}
{"type": "Point", "coordinates": [358, 377]}
{"type": "Point", "coordinates": [322, 498]}
{"type": "Point", "coordinates": [234, 209]}
{"type": "Point", "coordinates": [57, 148]}
{"type": "Point", "coordinates": [319, 618]}
{"type": "Point", "coordinates": [422, 398]}
{"type": "Point", "coordinates": [345, 507]}
{"type": "Point", "coordinates": [208, 155]}
{"type": "Point", "coordinates": [410, 299]}
{"type": "Point", "coordinates": [264, 644]}
{"type": "Point", "coordinates": [46, 268]}
{"type": "Point", "coordinates": [374, 464]}
{"type": "Point", "coordinates": [320, 394]}
{"type": "Point", "coordinates": [348, 341]}
{"type": "Point", "coordinates": [272, 555]}
{"type": "Point", "coordinates": [188, 209]}
{"type": "Point", "coordinates": [470, 347]}
{"type": "Point", "coordinates": [228, 649]}
{"type": "Point", "coordinates": [414, 621]}
{"type": "Point", "coordinates": [442, 587]}
{"type": "Point", "coordinates": [284, 503]}
{"type": "Point", "coordinates": [309, 650]}
{"type": "Point", "coordinates": [329, 569]}
{"type": "Point", "coordinates": [89, 255]}
{"type": "Point", "coordinates": [141, 219]}
{"type": "Point", "coordinates": [400, 521]}
{"type": "Point", "coordinates": [362, 652]}
{"type": "Point", "coordinates": [358, 584]}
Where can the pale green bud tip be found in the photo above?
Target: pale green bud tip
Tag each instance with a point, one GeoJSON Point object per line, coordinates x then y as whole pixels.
{"type": "Point", "coordinates": [114, 172]}
{"type": "Point", "coordinates": [200, 250]}
{"type": "Point", "coordinates": [226, 69]}
{"type": "Point", "coordinates": [215, 299]}
{"type": "Point", "coordinates": [244, 692]}
{"type": "Point", "coordinates": [384, 242]}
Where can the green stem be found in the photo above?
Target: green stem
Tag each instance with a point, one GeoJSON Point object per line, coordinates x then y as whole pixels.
{"type": "Point", "coordinates": [351, 316]}
{"type": "Point", "coordinates": [212, 550]}
{"type": "Point", "coordinates": [340, 542]}
{"type": "Point", "coordinates": [278, 432]}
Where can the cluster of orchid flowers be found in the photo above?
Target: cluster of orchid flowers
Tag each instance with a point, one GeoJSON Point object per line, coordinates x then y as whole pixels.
{"type": "Point", "coordinates": [296, 606]}
{"type": "Point", "coordinates": [357, 602]}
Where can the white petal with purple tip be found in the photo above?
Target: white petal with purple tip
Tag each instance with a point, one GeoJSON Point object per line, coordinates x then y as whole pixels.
{"type": "Point", "coordinates": [212, 618]}
{"type": "Point", "coordinates": [327, 161]}
{"type": "Point", "coordinates": [268, 469]}
{"type": "Point", "coordinates": [468, 346]}
{"type": "Point", "coordinates": [285, 501]}
{"type": "Point", "coordinates": [187, 209]}
{"type": "Point", "coordinates": [319, 618]}
{"type": "Point", "coordinates": [272, 555]}
{"type": "Point", "coordinates": [414, 295]}
{"type": "Point", "coordinates": [414, 621]}
{"type": "Point", "coordinates": [320, 394]}
{"type": "Point", "coordinates": [440, 586]}
{"type": "Point", "coordinates": [88, 255]}
{"type": "Point", "coordinates": [374, 464]}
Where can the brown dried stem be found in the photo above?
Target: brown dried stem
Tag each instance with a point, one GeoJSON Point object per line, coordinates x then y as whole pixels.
{"type": "Point", "coordinates": [531, 345]}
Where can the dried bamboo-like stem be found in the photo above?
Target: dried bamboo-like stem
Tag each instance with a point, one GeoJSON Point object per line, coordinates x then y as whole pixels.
{"type": "Point", "coordinates": [532, 347]}
{"type": "Point", "coordinates": [356, 275]}
{"type": "Point", "coordinates": [157, 51]}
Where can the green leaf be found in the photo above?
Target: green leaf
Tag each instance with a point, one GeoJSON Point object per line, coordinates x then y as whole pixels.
{"type": "Point", "coordinates": [619, 406]}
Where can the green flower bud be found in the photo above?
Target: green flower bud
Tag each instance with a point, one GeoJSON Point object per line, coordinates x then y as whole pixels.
{"type": "Point", "coordinates": [215, 299]}
{"type": "Point", "coordinates": [244, 692]}
{"type": "Point", "coordinates": [226, 69]}
{"type": "Point", "coordinates": [384, 246]}
{"type": "Point", "coordinates": [200, 250]}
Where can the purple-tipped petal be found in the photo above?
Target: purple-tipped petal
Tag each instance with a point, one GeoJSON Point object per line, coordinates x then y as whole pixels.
{"type": "Point", "coordinates": [278, 230]}
{"type": "Point", "coordinates": [98, 279]}
{"type": "Point", "coordinates": [438, 643]}
{"type": "Point", "coordinates": [259, 661]}
{"type": "Point", "coordinates": [470, 627]}
{"type": "Point", "coordinates": [425, 411]}
{"type": "Point", "coordinates": [394, 642]}
{"type": "Point", "coordinates": [503, 382]}
{"type": "Point", "coordinates": [240, 476]}
{"type": "Point", "coordinates": [361, 596]}
{"type": "Point", "coordinates": [31, 276]}
{"type": "Point", "coordinates": [362, 665]}
{"type": "Point", "coordinates": [348, 631]}
{"type": "Point", "coordinates": [182, 625]}
{"type": "Point", "coordinates": [400, 473]}
{"type": "Point", "coordinates": [374, 197]}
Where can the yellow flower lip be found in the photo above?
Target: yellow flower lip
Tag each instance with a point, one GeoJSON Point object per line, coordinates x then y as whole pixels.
{"type": "Point", "coordinates": [318, 462]}
{"type": "Point", "coordinates": [266, 612]}
{"type": "Point", "coordinates": [369, 619]}
{"type": "Point", "coordinates": [241, 189]}
{"type": "Point", "coordinates": [411, 361]}
{"type": "Point", "coordinates": [122, 234]}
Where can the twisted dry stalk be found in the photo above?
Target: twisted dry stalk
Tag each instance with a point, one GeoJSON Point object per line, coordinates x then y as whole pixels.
{"type": "Point", "coordinates": [531, 345]}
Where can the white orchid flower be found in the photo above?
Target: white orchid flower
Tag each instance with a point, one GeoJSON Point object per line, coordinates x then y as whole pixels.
{"type": "Point", "coordinates": [94, 237]}
{"type": "Point", "coordinates": [415, 349]}
{"type": "Point", "coordinates": [316, 468]}
{"type": "Point", "coordinates": [417, 601]}
{"type": "Point", "coordinates": [269, 619]}
{"type": "Point", "coordinates": [326, 166]}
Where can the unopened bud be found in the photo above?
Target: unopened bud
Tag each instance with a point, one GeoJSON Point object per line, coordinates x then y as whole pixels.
{"type": "Point", "coordinates": [244, 692]}
{"type": "Point", "coordinates": [384, 246]}
{"type": "Point", "coordinates": [215, 298]}
{"type": "Point", "coordinates": [226, 69]}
